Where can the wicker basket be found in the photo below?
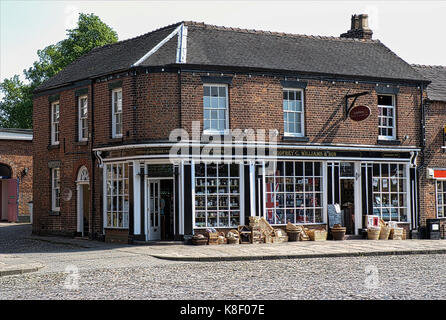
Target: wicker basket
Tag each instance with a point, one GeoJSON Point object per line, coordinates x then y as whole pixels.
{"type": "Point", "coordinates": [199, 241]}
{"type": "Point", "coordinates": [373, 233]}
{"type": "Point", "coordinates": [317, 235]}
{"type": "Point", "coordinates": [338, 232]}
{"type": "Point", "coordinates": [396, 234]}
{"type": "Point", "coordinates": [233, 237]}
{"type": "Point", "coordinates": [384, 233]}
{"type": "Point", "coordinates": [293, 235]}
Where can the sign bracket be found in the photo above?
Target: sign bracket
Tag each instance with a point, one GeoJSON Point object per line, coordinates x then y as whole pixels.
{"type": "Point", "coordinates": [355, 96]}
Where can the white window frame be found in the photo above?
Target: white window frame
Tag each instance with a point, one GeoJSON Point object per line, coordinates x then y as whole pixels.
{"type": "Point", "coordinates": [114, 123]}
{"type": "Point", "coordinates": [437, 192]}
{"type": "Point", "coordinates": [393, 107]}
{"type": "Point", "coordinates": [302, 113]}
{"type": "Point", "coordinates": [304, 192]}
{"type": "Point", "coordinates": [206, 210]}
{"type": "Point", "coordinates": [406, 193]}
{"type": "Point", "coordinates": [226, 129]}
{"type": "Point", "coordinates": [55, 190]}
{"type": "Point", "coordinates": [80, 118]}
{"type": "Point", "coordinates": [120, 196]}
{"type": "Point", "coordinates": [55, 129]}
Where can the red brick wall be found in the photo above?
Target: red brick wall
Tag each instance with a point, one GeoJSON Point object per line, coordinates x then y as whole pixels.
{"type": "Point", "coordinates": [434, 157]}
{"type": "Point", "coordinates": [70, 152]}
{"type": "Point", "coordinates": [17, 154]}
{"type": "Point", "coordinates": [256, 103]}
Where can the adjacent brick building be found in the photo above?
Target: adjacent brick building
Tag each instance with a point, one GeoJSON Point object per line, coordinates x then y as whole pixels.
{"type": "Point", "coordinates": [16, 174]}
{"type": "Point", "coordinates": [433, 167]}
{"type": "Point", "coordinates": [341, 119]}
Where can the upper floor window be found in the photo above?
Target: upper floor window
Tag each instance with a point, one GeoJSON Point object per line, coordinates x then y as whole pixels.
{"type": "Point", "coordinates": [293, 112]}
{"type": "Point", "coordinates": [55, 189]}
{"type": "Point", "coordinates": [215, 108]}
{"type": "Point", "coordinates": [55, 122]}
{"type": "Point", "coordinates": [386, 117]}
{"type": "Point", "coordinates": [83, 118]}
{"type": "Point", "coordinates": [117, 113]}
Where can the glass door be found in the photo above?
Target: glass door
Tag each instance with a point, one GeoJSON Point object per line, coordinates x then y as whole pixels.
{"type": "Point", "coordinates": [153, 210]}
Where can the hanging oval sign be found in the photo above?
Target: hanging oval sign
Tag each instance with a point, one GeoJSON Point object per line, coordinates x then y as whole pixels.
{"type": "Point", "coordinates": [359, 113]}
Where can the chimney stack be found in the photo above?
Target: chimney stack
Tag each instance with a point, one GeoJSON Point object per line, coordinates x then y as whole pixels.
{"type": "Point", "coordinates": [359, 28]}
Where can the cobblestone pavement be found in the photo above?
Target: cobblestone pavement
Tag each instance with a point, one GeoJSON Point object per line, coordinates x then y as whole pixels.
{"type": "Point", "coordinates": [112, 272]}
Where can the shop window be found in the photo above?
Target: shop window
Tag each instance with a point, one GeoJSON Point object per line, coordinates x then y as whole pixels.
{"type": "Point", "coordinates": [55, 189]}
{"type": "Point", "coordinates": [215, 108]}
{"type": "Point", "coordinates": [386, 117]}
{"type": "Point", "coordinates": [117, 195]}
{"type": "Point", "coordinates": [217, 195]}
{"type": "Point", "coordinates": [55, 122]}
{"type": "Point", "coordinates": [389, 185]}
{"type": "Point", "coordinates": [117, 113]}
{"type": "Point", "coordinates": [293, 112]}
{"type": "Point", "coordinates": [441, 199]}
{"type": "Point", "coordinates": [83, 118]}
{"type": "Point", "coordinates": [293, 193]}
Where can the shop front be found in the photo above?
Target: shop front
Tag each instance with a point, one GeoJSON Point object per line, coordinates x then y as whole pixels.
{"type": "Point", "coordinates": [156, 196]}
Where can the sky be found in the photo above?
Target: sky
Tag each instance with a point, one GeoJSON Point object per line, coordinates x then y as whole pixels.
{"type": "Point", "coordinates": [414, 30]}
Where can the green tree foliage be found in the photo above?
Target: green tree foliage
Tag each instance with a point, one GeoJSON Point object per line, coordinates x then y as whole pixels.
{"type": "Point", "coordinates": [16, 104]}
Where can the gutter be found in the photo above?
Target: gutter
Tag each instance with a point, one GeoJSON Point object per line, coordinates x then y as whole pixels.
{"type": "Point", "coordinates": [259, 144]}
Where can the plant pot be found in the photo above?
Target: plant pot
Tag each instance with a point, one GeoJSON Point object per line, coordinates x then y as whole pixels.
{"type": "Point", "coordinates": [338, 234]}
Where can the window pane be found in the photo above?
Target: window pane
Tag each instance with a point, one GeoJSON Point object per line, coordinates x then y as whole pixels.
{"type": "Point", "coordinates": [385, 100]}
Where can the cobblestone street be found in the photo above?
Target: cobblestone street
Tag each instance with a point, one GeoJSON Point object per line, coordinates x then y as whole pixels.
{"type": "Point", "coordinates": [101, 271]}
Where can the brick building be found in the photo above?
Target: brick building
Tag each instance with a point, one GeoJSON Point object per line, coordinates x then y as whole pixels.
{"type": "Point", "coordinates": [16, 174]}
{"type": "Point", "coordinates": [321, 121]}
{"type": "Point", "coordinates": [433, 166]}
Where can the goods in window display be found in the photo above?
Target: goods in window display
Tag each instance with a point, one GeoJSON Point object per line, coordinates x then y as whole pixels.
{"type": "Point", "coordinates": [199, 240]}
{"type": "Point", "coordinates": [338, 232]}
{"type": "Point", "coordinates": [373, 233]}
{"type": "Point", "coordinates": [233, 237]}
{"type": "Point", "coordinates": [396, 234]}
{"type": "Point", "coordinates": [317, 235]}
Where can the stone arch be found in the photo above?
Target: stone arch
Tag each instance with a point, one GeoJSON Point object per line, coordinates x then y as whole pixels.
{"type": "Point", "coordinates": [83, 175]}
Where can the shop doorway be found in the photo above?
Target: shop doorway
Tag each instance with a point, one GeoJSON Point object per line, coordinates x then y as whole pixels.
{"type": "Point", "coordinates": [347, 188]}
{"type": "Point", "coordinates": [83, 202]}
{"type": "Point", "coordinates": [344, 189]}
{"type": "Point", "coordinates": [160, 209]}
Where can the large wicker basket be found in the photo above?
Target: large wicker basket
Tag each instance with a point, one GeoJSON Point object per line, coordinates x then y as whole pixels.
{"type": "Point", "coordinates": [373, 233]}
{"type": "Point", "coordinates": [396, 234]}
{"type": "Point", "coordinates": [384, 233]}
{"type": "Point", "coordinates": [317, 235]}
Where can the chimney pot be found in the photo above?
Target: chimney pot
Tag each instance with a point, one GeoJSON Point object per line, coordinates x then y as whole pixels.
{"type": "Point", "coordinates": [359, 28]}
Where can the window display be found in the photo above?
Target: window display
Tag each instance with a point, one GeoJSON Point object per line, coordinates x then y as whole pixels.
{"type": "Point", "coordinates": [441, 200]}
{"type": "Point", "coordinates": [294, 193]}
{"type": "Point", "coordinates": [117, 186]}
{"type": "Point", "coordinates": [389, 183]}
{"type": "Point", "coordinates": [217, 195]}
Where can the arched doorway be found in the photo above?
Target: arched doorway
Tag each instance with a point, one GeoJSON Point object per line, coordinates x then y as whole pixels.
{"type": "Point", "coordinates": [8, 194]}
{"type": "Point", "coordinates": [5, 171]}
{"type": "Point", "coordinates": [83, 201]}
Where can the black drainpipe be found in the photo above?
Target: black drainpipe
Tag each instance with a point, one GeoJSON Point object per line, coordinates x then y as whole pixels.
{"type": "Point", "coordinates": [423, 145]}
{"type": "Point", "coordinates": [92, 180]}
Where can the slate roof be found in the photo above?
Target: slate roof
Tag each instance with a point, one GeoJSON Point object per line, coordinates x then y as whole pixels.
{"type": "Point", "coordinates": [209, 45]}
{"type": "Point", "coordinates": [436, 90]}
